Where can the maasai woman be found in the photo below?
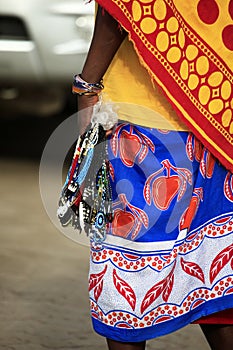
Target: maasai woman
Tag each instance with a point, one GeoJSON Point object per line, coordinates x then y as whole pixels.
{"type": "Point", "coordinates": [168, 255]}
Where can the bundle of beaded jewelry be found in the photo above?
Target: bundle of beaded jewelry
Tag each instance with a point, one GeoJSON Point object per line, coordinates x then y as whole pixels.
{"type": "Point", "coordinates": [86, 198]}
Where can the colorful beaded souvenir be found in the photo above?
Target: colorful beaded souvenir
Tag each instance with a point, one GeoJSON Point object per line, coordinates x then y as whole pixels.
{"type": "Point", "coordinates": [86, 200]}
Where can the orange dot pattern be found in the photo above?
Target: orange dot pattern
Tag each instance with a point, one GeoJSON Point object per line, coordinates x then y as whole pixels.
{"type": "Point", "coordinates": [195, 68]}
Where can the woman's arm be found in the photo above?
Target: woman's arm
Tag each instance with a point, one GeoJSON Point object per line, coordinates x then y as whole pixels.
{"type": "Point", "coordinates": [106, 40]}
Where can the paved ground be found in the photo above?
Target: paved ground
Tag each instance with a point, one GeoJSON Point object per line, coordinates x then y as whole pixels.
{"type": "Point", "coordinates": [43, 276]}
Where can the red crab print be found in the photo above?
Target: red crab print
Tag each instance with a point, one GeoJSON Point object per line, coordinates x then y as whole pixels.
{"type": "Point", "coordinates": [126, 222]}
{"type": "Point", "coordinates": [130, 145]}
{"type": "Point", "coordinates": [190, 212]}
{"type": "Point", "coordinates": [165, 188]}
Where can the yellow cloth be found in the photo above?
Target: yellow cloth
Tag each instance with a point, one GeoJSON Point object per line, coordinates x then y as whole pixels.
{"type": "Point", "coordinates": [187, 49]}
{"type": "Point", "coordinates": [128, 82]}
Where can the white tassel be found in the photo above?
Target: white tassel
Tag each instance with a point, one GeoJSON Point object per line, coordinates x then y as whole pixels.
{"type": "Point", "coordinates": [105, 114]}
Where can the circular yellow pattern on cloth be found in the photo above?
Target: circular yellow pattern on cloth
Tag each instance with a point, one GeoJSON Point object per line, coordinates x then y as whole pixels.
{"type": "Point", "coordinates": [204, 94]}
{"type": "Point", "coordinates": [193, 81]}
{"type": "Point", "coordinates": [181, 38]}
{"type": "Point", "coordinates": [160, 10]}
{"type": "Point", "coordinates": [216, 106]}
{"type": "Point", "coordinates": [146, 1]}
{"type": "Point", "coordinates": [148, 25]}
{"type": "Point", "coordinates": [215, 79]}
{"type": "Point", "coordinates": [231, 128]}
{"type": "Point", "coordinates": [226, 90]}
{"type": "Point", "coordinates": [202, 65]}
{"type": "Point", "coordinates": [137, 11]}
{"type": "Point", "coordinates": [174, 54]}
{"type": "Point", "coordinates": [191, 52]}
{"type": "Point", "coordinates": [172, 25]}
{"type": "Point", "coordinates": [162, 41]}
{"type": "Point", "coordinates": [226, 118]}
{"type": "Point", "coordinates": [193, 62]}
{"type": "Point", "coordinates": [184, 69]}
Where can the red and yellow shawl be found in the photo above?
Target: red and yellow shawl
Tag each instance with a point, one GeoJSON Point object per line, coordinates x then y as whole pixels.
{"type": "Point", "coordinates": [187, 48]}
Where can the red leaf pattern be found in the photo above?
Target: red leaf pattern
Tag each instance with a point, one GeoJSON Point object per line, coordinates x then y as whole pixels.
{"type": "Point", "coordinates": [141, 214]}
{"type": "Point", "coordinates": [197, 149]}
{"type": "Point", "coordinates": [114, 144]}
{"type": "Point", "coordinates": [220, 261]}
{"type": "Point", "coordinates": [111, 171]}
{"type": "Point", "coordinates": [98, 289]}
{"type": "Point", "coordinates": [143, 153]}
{"type": "Point", "coordinates": [182, 190]}
{"type": "Point", "coordinates": [164, 287]}
{"type": "Point", "coordinates": [96, 278]}
{"type": "Point", "coordinates": [146, 193]}
{"type": "Point", "coordinates": [146, 190]}
{"type": "Point", "coordinates": [152, 294]}
{"type": "Point", "coordinates": [189, 147]}
{"type": "Point", "coordinates": [144, 218]}
{"type": "Point", "coordinates": [203, 167]}
{"type": "Point", "coordinates": [168, 288]}
{"type": "Point", "coordinates": [136, 230]}
{"type": "Point", "coordinates": [228, 190]}
{"type": "Point", "coordinates": [124, 289]}
{"type": "Point", "coordinates": [192, 269]}
{"type": "Point", "coordinates": [149, 142]}
{"type": "Point", "coordinates": [146, 140]}
{"type": "Point", "coordinates": [114, 139]}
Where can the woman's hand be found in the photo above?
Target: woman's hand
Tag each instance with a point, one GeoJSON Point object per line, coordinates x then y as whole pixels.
{"type": "Point", "coordinates": [85, 110]}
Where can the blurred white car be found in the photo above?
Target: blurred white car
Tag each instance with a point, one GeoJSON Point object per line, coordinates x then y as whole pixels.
{"type": "Point", "coordinates": [43, 43]}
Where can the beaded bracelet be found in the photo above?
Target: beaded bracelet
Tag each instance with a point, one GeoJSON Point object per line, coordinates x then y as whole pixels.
{"type": "Point", "coordinates": [81, 87]}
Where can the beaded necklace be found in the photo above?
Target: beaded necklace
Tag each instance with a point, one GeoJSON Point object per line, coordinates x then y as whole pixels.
{"type": "Point", "coordinates": [86, 199]}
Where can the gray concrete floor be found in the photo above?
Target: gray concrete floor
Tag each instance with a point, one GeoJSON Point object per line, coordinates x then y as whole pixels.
{"type": "Point", "coordinates": [43, 276]}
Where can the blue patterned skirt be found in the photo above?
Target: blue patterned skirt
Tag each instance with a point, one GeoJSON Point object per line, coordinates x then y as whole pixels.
{"type": "Point", "coordinates": [167, 259]}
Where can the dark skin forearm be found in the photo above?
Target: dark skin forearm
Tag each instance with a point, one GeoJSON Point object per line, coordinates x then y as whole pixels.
{"type": "Point", "coordinates": [106, 40]}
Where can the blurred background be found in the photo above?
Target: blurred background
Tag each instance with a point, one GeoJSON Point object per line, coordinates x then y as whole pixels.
{"type": "Point", "coordinates": [42, 45]}
{"type": "Point", "coordinates": [43, 275]}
